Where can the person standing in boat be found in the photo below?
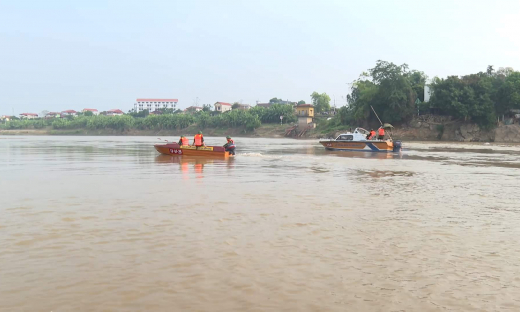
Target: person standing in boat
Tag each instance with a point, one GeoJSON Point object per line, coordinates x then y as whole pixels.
{"type": "Point", "coordinates": [183, 141]}
{"type": "Point", "coordinates": [230, 145]}
{"type": "Point", "coordinates": [381, 133]}
{"type": "Point", "coordinates": [198, 140]}
{"type": "Point", "coordinates": [371, 135]}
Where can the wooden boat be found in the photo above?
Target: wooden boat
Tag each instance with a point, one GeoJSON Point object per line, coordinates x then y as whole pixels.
{"type": "Point", "coordinates": [357, 141]}
{"type": "Point", "coordinates": [175, 149]}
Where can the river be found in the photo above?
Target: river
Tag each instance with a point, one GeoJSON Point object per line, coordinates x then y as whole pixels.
{"type": "Point", "coordinates": [106, 224]}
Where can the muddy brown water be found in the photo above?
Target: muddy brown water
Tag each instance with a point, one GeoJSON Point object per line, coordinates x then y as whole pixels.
{"type": "Point", "coordinates": [106, 224]}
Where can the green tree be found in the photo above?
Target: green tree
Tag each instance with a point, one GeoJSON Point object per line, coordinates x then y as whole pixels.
{"type": "Point", "coordinates": [390, 89]}
{"type": "Point", "coordinates": [235, 105]}
{"type": "Point", "coordinates": [321, 101]}
{"type": "Point", "coordinates": [467, 98]}
{"type": "Point", "coordinates": [508, 95]}
{"type": "Point", "coordinates": [301, 102]}
{"type": "Point", "coordinates": [142, 113]}
{"type": "Point", "coordinates": [207, 108]}
{"type": "Point", "coordinates": [88, 113]}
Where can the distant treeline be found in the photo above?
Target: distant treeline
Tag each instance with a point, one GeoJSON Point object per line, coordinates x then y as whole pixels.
{"type": "Point", "coordinates": [249, 119]}
{"type": "Point", "coordinates": [397, 93]}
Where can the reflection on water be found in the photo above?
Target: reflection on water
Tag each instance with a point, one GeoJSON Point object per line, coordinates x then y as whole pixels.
{"type": "Point", "coordinates": [107, 223]}
{"type": "Point", "coordinates": [359, 154]}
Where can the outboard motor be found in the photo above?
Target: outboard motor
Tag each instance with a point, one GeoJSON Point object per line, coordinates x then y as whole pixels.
{"type": "Point", "coordinates": [398, 145]}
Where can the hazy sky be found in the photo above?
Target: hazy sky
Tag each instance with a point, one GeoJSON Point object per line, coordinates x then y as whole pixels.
{"type": "Point", "coordinates": [58, 55]}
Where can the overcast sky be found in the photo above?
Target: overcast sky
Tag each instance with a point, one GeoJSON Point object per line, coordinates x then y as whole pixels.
{"type": "Point", "coordinates": [58, 55]}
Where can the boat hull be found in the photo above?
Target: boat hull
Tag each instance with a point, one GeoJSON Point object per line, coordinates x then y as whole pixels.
{"type": "Point", "coordinates": [359, 146]}
{"type": "Point", "coordinates": [204, 151]}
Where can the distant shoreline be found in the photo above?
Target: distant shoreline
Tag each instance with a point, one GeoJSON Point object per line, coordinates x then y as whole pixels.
{"type": "Point", "coordinates": [265, 131]}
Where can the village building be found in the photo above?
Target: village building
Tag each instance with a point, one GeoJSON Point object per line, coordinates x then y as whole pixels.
{"type": "Point", "coordinates": [114, 112]}
{"type": "Point", "coordinates": [193, 109]}
{"type": "Point", "coordinates": [222, 107]}
{"type": "Point", "coordinates": [305, 114]}
{"type": "Point", "coordinates": [52, 115]}
{"type": "Point", "coordinates": [243, 106]}
{"type": "Point", "coordinates": [154, 104]}
{"type": "Point", "coordinates": [93, 110]}
{"type": "Point", "coordinates": [28, 116]}
{"type": "Point", "coordinates": [69, 112]}
{"type": "Point", "coordinates": [5, 118]}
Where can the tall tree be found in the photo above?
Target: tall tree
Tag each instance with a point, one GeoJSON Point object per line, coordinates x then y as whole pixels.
{"type": "Point", "coordinates": [391, 89]}
{"type": "Point", "coordinates": [321, 101]}
{"type": "Point", "coordinates": [508, 96]}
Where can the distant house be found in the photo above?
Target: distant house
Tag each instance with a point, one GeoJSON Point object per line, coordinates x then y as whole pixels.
{"type": "Point", "coordinates": [222, 107]}
{"type": "Point", "coordinates": [156, 112]}
{"type": "Point", "coordinates": [69, 112]}
{"type": "Point", "coordinates": [5, 118]}
{"type": "Point", "coordinates": [28, 116]}
{"type": "Point", "coordinates": [52, 115]}
{"type": "Point", "coordinates": [193, 109]}
{"type": "Point", "coordinates": [243, 106]}
{"type": "Point", "coordinates": [93, 110]}
{"type": "Point", "coordinates": [305, 114]}
{"type": "Point", "coordinates": [265, 105]}
{"type": "Point", "coordinates": [114, 112]}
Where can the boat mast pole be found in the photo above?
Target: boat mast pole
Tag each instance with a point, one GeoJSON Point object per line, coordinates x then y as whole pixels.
{"type": "Point", "coordinates": [380, 120]}
{"type": "Point", "coordinates": [376, 115]}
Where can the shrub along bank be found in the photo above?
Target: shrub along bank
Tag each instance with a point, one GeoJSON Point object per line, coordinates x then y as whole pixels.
{"type": "Point", "coordinates": [244, 119]}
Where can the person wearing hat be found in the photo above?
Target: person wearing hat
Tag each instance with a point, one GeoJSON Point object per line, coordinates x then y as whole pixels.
{"type": "Point", "coordinates": [198, 140]}
{"type": "Point", "coordinates": [230, 145]}
{"type": "Point", "coordinates": [183, 141]}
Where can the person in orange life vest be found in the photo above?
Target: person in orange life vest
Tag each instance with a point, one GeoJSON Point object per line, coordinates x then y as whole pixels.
{"type": "Point", "coordinates": [198, 140]}
{"type": "Point", "coordinates": [371, 135]}
{"type": "Point", "coordinates": [183, 141]}
{"type": "Point", "coordinates": [381, 133]}
{"type": "Point", "coordinates": [230, 145]}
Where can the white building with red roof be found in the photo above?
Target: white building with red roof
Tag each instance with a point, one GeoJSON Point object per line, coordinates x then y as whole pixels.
{"type": "Point", "coordinates": [52, 115]}
{"type": "Point", "coordinates": [28, 115]}
{"type": "Point", "coordinates": [69, 112]}
{"type": "Point", "coordinates": [193, 109]}
{"type": "Point", "coordinates": [93, 110]}
{"type": "Point", "coordinates": [222, 107]}
{"type": "Point", "coordinates": [115, 112]}
{"type": "Point", "coordinates": [154, 104]}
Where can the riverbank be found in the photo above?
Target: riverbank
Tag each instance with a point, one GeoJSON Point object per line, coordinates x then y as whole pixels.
{"type": "Point", "coordinates": [413, 131]}
{"type": "Point", "coordinates": [264, 131]}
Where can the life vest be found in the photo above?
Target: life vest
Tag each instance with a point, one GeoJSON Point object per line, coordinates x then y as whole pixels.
{"type": "Point", "coordinates": [381, 131]}
{"type": "Point", "coordinates": [185, 141]}
{"type": "Point", "coordinates": [230, 143]}
{"type": "Point", "coordinates": [372, 134]}
{"type": "Point", "coordinates": [198, 140]}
